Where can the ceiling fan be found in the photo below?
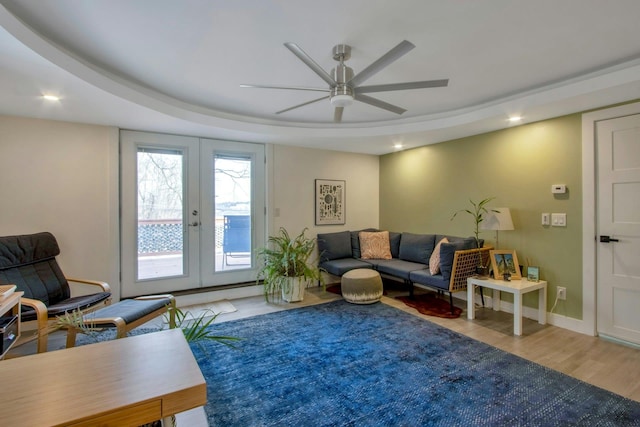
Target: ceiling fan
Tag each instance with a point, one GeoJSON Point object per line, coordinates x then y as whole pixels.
{"type": "Point", "coordinates": [344, 87]}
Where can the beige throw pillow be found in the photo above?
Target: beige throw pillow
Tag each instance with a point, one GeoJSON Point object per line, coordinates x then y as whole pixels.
{"type": "Point", "coordinates": [434, 261]}
{"type": "Point", "coordinates": [375, 245]}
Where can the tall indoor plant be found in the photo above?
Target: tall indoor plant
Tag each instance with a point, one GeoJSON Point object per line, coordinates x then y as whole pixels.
{"type": "Point", "coordinates": [286, 270]}
{"type": "Point", "coordinates": [477, 213]}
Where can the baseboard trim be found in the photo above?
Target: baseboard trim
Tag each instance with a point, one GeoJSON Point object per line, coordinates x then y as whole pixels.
{"type": "Point", "coordinates": [575, 325]}
{"type": "Point", "coordinates": [218, 294]}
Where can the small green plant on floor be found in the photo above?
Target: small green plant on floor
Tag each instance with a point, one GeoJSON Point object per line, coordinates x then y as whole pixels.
{"type": "Point", "coordinates": [196, 329]}
{"type": "Point", "coordinates": [74, 319]}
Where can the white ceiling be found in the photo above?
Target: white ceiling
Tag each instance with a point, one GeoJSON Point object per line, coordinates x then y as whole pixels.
{"type": "Point", "coordinates": [176, 66]}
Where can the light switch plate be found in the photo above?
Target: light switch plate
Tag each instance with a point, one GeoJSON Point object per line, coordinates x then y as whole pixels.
{"type": "Point", "coordinates": [545, 219]}
{"type": "Point", "coordinates": [558, 219]}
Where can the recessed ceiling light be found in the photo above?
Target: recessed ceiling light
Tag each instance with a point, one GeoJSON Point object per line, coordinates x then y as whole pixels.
{"type": "Point", "coordinates": [514, 119]}
{"type": "Point", "coordinates": [397, 146]}
{"type": "Point", "coordinates": [51, 97]}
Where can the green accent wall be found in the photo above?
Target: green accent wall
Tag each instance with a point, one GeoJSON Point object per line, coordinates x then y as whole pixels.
{"type": "Point", "coordinates": [421, 188]}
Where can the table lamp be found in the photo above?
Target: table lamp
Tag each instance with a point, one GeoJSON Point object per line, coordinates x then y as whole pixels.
{"type": "Point", "coordinates": [497, 219]}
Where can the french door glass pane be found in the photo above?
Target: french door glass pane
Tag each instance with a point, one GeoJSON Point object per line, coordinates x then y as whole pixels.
{"type": "Point", "coordinates": [232, 200]}
{"type": "Point", "coordinates": [160, 188]}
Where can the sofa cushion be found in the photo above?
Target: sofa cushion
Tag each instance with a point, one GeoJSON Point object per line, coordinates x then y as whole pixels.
{"type": "Point", "coordinates": [375, 245]}
{"type": "Point", "coordinates": [434, 261]}
{"type": "Point", "coordinates": [334, 245]}
{"type": "Point", "coordinates": [424, 277]}
{"type": "Point", "coordinates": [394, 242]}
{"type": "Point", "coordinates": [452, 239]}
{"type": "Point", "coordinates": [355, 241]}
{"type": "Point", "coordinates": [398, 268]}
{"type": "Point", "coordinates": [416, 247]}
{"type": "Point", "coordinates": [338, 267]}
{"type": "Point", "coordinates": [447, 252]}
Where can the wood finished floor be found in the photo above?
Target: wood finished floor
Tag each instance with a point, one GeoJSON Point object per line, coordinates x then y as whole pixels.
{"type": "Point", "coordinates": [608, 365]}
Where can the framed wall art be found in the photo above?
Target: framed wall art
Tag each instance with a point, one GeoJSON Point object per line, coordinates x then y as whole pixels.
{"type": "Point", "coordinates": [330, 202]}
{"type": "Point", "coordinates": [505, 261]}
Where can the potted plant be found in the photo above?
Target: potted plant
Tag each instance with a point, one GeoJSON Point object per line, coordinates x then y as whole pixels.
{"type": "Point", "coordinates": [477, 213]}
{"type": "Point", "coordinates": [285, 270]}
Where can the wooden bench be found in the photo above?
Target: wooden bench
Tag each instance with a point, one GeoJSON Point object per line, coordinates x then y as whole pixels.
{"type": "Point", "coordinates": [127, 314]}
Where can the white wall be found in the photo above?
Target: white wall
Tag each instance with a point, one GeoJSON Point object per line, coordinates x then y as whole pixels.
{"type": "Point", "coordinates": [63, 178]}
{"type": "Point", "coordinates": [292, 188]}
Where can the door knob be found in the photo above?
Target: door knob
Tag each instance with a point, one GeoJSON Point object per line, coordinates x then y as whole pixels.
{"type": "Point", "coordinates": [607, 239]}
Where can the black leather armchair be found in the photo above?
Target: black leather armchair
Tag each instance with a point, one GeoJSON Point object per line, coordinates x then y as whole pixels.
{"type": "Point", "coordinates": [28, 261]}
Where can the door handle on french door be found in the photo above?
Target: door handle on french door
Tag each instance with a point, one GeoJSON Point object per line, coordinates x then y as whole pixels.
{"type": "Point", "coordinates": [607, 239]}
{"type": "Point", "coordinates": [194, 224]}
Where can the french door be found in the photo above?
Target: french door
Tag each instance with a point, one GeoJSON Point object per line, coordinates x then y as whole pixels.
{"type": "Point", "coordinates": [192, 212]}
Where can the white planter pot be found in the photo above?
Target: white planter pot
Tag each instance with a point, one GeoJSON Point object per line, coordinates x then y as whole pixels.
{"type": "Point", "coordinates": [293, 291]}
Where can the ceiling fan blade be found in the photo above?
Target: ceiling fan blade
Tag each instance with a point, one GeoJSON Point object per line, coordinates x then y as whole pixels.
{"type": "Point", "coordinates": [380, 104]}
{"type": "Point", "coordinates": [301, 105]}
{"type": "Point", "coordinates": [337, 114]}
{"type": "Point", "coordinates": [302, 55]}
{"type": "Point", "coordinates": [402, 86]}
{"type": "Point", "coordinates": [402, 48]}
{"type": "Point", "coordinates": [285, 87]}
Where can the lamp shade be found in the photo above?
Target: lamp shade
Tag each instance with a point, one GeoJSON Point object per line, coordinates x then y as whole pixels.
{"type": "Point", "coordinates": [500, 220]}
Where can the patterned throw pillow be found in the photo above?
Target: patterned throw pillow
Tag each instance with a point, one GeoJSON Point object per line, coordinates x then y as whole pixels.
{"type": "Point", "coordinates": [375, 245]}
{"type": "Point", "coordinates": [434, 261]}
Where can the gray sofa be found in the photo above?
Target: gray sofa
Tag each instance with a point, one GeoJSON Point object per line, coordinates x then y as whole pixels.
{"type": "Point", "coordinates": [340, 252]}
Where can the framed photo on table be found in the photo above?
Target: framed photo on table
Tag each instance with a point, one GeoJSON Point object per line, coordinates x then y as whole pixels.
{"type": "Point", "coordinates": [505, 261]}
{"type": "Point", "coordinates": [330, 202]}
{"type": "Point", "coordinates": [533, 273]}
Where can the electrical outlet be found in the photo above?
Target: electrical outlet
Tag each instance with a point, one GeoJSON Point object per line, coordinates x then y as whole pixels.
{"type": "Point", "coordinates": [562, 292]}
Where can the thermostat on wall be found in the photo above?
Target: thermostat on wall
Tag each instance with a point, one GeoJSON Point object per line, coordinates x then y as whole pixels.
{"type": "Point", "coordinates": [558, 188]}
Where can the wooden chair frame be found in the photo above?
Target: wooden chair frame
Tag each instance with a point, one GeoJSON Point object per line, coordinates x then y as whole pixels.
{"type": "Point", "coordinates": [45, 325]}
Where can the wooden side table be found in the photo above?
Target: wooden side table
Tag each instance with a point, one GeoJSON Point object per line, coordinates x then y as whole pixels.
{"type": "Point", "coordinates": [11, 304]}
{"type": "Point", "coordinates": [515, 287]}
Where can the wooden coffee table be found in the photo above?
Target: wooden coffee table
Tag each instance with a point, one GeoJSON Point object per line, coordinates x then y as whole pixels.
{"type": "Point", "coordinates": [129, 381]}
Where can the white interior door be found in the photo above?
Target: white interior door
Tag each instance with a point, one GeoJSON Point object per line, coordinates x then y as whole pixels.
{"type": "Point", "coordinates": [618, 201]}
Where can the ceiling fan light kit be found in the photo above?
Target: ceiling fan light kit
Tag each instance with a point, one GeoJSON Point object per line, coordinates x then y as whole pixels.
{"type": "Point", "coordinates": [344, 86]}
{"type": "Point", "coordinates": [341, 100]}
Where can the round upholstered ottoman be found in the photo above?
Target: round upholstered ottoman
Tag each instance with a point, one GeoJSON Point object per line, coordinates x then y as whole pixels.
{"type": "Point", "coordinates": [361, 286]}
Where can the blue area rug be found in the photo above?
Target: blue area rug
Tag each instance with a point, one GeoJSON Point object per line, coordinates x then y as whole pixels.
{"type": "Point", "coordinates": [340, 364]}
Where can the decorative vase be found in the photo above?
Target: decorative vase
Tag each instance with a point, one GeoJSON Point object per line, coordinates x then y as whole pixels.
{"type": "Point", "coordinates": [293, 291]}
